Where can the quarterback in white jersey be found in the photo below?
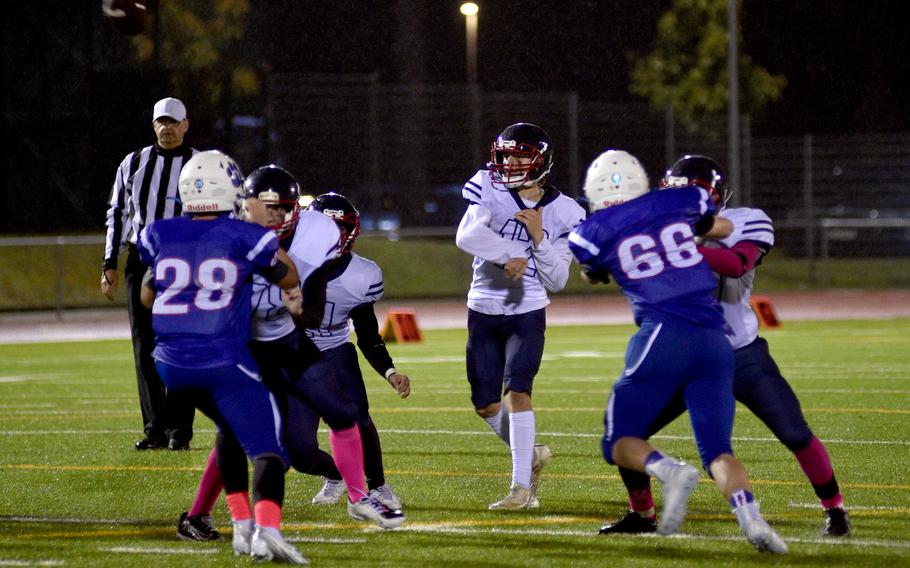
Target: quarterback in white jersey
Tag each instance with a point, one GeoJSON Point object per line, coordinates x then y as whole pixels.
{"type": "Point", "coordinates": [517, 228]}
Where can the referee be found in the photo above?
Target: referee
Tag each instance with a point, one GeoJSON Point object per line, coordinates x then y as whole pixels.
{"type": "Point", "coordinates": [145, 190]}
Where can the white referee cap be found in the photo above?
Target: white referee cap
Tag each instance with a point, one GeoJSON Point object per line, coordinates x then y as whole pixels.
{"type": "Point", "coordinates": [169, 107]}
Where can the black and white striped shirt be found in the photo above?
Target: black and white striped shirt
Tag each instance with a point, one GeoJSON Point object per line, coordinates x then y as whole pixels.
{"type": "Point", "coordinates": [145, 190]}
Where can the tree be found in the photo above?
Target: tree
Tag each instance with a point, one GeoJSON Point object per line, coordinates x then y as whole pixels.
{"type": "Point", "coordinates": [196, 40]}
{"type": "Point", "coordinates": [688, 68]}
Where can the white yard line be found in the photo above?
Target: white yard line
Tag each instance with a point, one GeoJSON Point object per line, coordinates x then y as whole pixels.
{"type": "Point", "coordinates": [451, 529]}
{"type": "Point", "coordinates": [159, 550]}
{"type": "Point", "coordinates": [418, 432]}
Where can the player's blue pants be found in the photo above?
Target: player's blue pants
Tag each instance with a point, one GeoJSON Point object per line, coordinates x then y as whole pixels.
{"type": "Point", "coordinates": [760, 387]}
{"type": "Point", "coordinates": [236, 400]}
{"type": "Point", "coordinates": [305, 419]}
{"type": "Point", "coordinates": [666, 358]}
{"type": "Point", "coordinates": [307, 389]}
{"type": "Point", "coordinates": [503, 353]}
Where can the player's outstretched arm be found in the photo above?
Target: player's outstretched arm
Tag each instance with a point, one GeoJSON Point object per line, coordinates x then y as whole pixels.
{"type": "Point", "coordinates": [370, 342]}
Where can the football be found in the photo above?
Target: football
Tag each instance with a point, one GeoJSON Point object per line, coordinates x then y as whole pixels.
{"type": "Point", "coordinates": [129, 17]}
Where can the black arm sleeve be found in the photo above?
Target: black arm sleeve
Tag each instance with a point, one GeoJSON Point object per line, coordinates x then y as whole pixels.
{"type": "Point", "coordinates": [703, 225]}
{"type": "Point", "coordinates": [598, 275]}
{"type": "Point", "coordinates": [275, 273]}
{"type": "Point", "coordinates": [366, 326]}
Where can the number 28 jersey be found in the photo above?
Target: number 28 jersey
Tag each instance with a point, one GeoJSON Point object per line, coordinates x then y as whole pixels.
{"type": "Point", "coordinates": [647, 244]}
{"type": "Point", "coordinates": [203, 274]}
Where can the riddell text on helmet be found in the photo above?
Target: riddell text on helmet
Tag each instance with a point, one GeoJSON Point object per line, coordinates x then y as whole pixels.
{"type": "Point", "coordinates": [201, 208]}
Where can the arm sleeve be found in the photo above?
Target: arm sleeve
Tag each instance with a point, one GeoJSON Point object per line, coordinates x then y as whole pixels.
{"type": "Point", "coordinates": [116, 214]}
{"type": "Point", "coordinates": [732, 262]}
{"type": "Point", "coordinates": [553, 260]}
{"type": "Point", "coordinates": [369, 341]}
{"type": "Point", "coordinates": [475, 237]}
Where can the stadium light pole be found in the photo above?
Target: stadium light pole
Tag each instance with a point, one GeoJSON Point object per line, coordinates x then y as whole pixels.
{"type": "Point", "coordinates": [470, 9]}
{"type": "Point", "coordinates": [733, 118]}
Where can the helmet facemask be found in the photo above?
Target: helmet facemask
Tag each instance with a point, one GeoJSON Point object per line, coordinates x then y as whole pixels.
{"type": "Point", "coordinates": [516, 166]}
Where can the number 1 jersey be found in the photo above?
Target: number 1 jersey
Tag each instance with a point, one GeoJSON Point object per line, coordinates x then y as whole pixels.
{"type": "Point", "coordinates": [647, 244]}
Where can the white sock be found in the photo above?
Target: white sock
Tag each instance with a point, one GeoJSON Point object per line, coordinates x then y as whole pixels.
{"type": "Point", "coordinates": [747, 512]}
{"type": "Point", "coordinates": [523, 432]}
{"type": "Point", "coordinates": [499, 423]}
{"type": "Point", "coordinates": [661, 468]}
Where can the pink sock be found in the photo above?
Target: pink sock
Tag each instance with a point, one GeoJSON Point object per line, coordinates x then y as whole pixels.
{"type": "Point", "coordinates": [815, 462]}
{"type": "Point", "coordinates": [210, 487]}
{"type": "Point", "coordinates": [641, 501]}
{"type": "Point", "coordinates": [268, 514]}
{"type": "Point", "coordinates": [239, 505]}
{"type": "Point", "coordinates": [347, 451]}
{"type": "Point", "coordinates": [816, 465]}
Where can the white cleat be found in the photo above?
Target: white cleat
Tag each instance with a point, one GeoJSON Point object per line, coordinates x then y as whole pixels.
{"type": "Point", "coordinates": [269, 544]}
{"type": "Point", "coordinates": [518, 498]}
{"type": "Point", "coordinates": [243, 535]}
{"type": "Point", "coordinates": [386, 496]}
{"type": "Point", "coordinates": [371, 509]}
{"type": "Point", "coordinates": [542, 455]}
{"type": "Point", "coordinates": [677, 486]}
{"type": "Point", "coordinates": [763, 537]}
{"type": "Point", "coordinates": [331, 492]}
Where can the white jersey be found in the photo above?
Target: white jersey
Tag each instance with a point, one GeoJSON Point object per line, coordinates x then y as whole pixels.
{"type": "Point", "coordinates": [316, 240]}
{"type": "Point", "coordinates": [735, 294]}
{"type": "Point", "coordinates": [360, 282]}
{"type": "Point", "coordinates": [491, 233]}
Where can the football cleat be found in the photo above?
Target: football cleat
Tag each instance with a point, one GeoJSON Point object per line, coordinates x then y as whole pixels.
{"type": "Point", "coordinates": [763, 537]}
{"type": "Point", "coordinates": [269, 544]}
{"type": "Point", "coordinates": [176, 445]}
{"type": "Point", "coordinates": [518, 498]}
{"type": "Point", "coordinates": [677, 485]}
{"type": "Point", "coordinates": [542, 455]}
{"type": "Point", "coordinates": [371, 509]}
{"type": "Point", "coordinates": [243, 534]}
{"type": "Point", "coordinates": [197, 527]}
{"type": "Point", "coordinates": [837, 522]}
{"type": "Point", "coordinates": [331, 492]}
{"type": "Point", "coordinates": [386, 496]}
{"type": "Point", "coordinates": [632, 523]}
{"type": "Point", "coordinates": [150, 443]}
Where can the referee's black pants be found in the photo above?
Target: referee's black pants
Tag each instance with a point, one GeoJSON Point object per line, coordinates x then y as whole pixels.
{"type": "Point", "coordinates": [165, 417]}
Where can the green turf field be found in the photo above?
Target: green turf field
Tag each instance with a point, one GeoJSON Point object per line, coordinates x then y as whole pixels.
{"type": "Point", "coordinates": [73, 491]}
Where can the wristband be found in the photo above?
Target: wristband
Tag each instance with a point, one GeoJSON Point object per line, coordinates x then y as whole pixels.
{"type": "Point", "coordinates": [390, 372]}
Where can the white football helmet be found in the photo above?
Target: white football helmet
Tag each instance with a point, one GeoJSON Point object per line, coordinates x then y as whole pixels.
{"type": "Point", "coordinates": [210, 182]}
{"type": "Point", "coordinates": [614, 177]}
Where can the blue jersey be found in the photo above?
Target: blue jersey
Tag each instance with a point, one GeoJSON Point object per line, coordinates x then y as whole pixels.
{"type": "Point", "coordinates": [647, 244]}
{"type": "Point", "coordinates": [203, 273]}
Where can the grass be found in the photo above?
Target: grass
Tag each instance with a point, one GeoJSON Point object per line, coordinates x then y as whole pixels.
{"type": "Point", "coordinates": [76, 493]}
{"type": "Point", "coordinates": [413, 268]}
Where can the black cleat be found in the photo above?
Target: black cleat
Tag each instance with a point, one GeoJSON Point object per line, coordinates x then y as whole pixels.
{"type": "Point", "coordinates": [176, 445]}
{"type": "Point", "coordinates": [837, 523]}
{"type": "Point", "coordinates": [632, 523]}
{"type": "Point", "coordinates": [197, 527]}
{"type": "Point", "coordinates": [149, 443]}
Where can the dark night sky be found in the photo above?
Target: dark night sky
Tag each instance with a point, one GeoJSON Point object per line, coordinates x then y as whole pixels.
{"type": "Point", "coordinates": [843, 60]}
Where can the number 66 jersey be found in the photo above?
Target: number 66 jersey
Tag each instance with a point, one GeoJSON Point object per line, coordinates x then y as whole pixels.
{"type": "Point", "coordinates": [647, 244]}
